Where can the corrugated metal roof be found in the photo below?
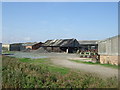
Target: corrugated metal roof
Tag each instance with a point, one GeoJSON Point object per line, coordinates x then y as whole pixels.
{"type": "Point", "coordinates": [16, 43]}
{"type": "Point", "coordinates": [59, 42]}
{"type": "Point", "coordinates": [29, 44]}
{"type": "Point", "coordinates": [88, 42]}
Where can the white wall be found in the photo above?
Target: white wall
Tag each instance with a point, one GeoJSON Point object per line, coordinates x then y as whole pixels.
{"type": "Point", "coordinates": [7, 46]}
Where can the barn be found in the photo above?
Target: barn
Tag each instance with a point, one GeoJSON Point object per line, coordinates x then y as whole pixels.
{"type": "Point", "coordinates": [62, 45]}
{"type": "Point", "coordinates": [28, 45]}
{"type": "Point", "coordinates": [88, 44]}
{"type": "Point", "coordinates": [109, 50]}
{"type": "Point", "coordinates": [24, 46]}
{"type": "Point", "coordinates": [16, 47]}
{"type": "Point", "coordinates": [37, 45]}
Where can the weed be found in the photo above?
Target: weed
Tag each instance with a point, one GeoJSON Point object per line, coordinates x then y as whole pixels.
{"type": "Point", "coordinates": [17, 74]}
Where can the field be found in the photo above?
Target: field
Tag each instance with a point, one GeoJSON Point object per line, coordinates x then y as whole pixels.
{"type": "Point", "coordinates": [41, 73]}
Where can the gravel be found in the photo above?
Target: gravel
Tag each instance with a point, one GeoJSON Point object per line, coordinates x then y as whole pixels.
{"type": "Point", "coordinates": [62, 59]}
{"type": "Point", "coordinates": [40, 50]}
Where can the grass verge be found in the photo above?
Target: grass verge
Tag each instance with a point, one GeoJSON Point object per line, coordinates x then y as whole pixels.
{"type": "Point", "coordinates": [45, 62]}
{"type": "Point", "coordinates": [8, 52]}
{"type": "Point", "coordinates": [106, 65]}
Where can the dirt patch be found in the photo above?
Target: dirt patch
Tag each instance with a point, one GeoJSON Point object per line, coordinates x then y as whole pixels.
{"type": "Point", "coordinates": [62, 59]}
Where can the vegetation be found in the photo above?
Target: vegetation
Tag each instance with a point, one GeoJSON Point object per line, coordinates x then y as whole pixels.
{"type": "Point", "coordinates": [8, 52]}
{"type": "Point", "coordinates": [97, 63]}
{"type": "Point", "coordinates": [45, 62]}
{"type": "Point", "coordinates": [28, 73]}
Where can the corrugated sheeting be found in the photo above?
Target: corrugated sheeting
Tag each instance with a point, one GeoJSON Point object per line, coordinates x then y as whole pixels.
{"type": "Point", "coordinates": [109, 46]}
{"type": "Point", "coordinates": [88, 42]}
{"type": "Point", "coordinates": [62, 43]}
{"type": "Point", "coordinates": [29, 44]}
{"type": "Point", "coordinates": [15, 47]}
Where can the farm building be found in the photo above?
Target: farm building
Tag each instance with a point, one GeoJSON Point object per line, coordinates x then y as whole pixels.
{"type": "Point", "coordinates": [25, 46]}
{"type": "Point", "coordinates": [88, 44]}
{"type": "Point", "coordinates": [6, 47]}
{"type": "Point", "coordinates": [16, 47]}
{"type": "Point", "coordinates": [109, 51]}
{"type": "Point", "coordinates": [0, 48]}
{"type": "Point", "coordinates": [37, 45]}
{"type": "Point", "coordinates": [31, 45]}
{"type": "Point", "coordinates": [28, 45]}
{"type": "Point", "coordinates": [62, 45]}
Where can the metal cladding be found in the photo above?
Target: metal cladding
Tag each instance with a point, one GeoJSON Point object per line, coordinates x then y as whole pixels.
{"type": "Point", "coordinates": [62, 43]}
{"type": "Point", "coordinates": [29, 44]}
{"type": "Point", "coordinates": [88, 42]}
{"type": "Point", "coordinates": [109, 46]}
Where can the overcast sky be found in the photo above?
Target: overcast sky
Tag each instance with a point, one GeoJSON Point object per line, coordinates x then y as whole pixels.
{"type": "Point", "coordinates": [39, 21]}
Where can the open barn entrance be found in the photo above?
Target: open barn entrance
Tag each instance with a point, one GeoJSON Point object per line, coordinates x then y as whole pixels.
{"type": "Point", "coordinates": [69, 49]}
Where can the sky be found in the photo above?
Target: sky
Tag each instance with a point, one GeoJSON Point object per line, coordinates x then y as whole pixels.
{"type": "Point", "coordinates": [40, 21]}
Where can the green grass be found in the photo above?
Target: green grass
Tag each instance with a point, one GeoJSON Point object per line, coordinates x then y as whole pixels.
{"type": "Point", "coordinates": [34, 61]}
{"type": "Point", "coordinates": [8, 52]}
{"type": "Point", "coordinates": [45, 62]}
{"type": "Point", "coordinates": [58, 69]}
{"type": "Point", "coordinates": [87, 59]}
{"type": "Point", "coordinates": [25, 60]}
{"type": "Point", "coordinates": [109, 65]}
{"type": "Point", "coordinates": [20, 73]}
{"type": "Point", "coordinates": [97, 63]}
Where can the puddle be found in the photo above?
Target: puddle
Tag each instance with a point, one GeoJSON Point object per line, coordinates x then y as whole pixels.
{"type": "Point", "coordinates": [26, 55]}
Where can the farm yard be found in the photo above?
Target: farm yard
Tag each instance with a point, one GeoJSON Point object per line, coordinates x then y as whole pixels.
{"type": "Point", "coordinates": [60, 63]}
{"type": "Point", "coordinates": [60, 44]}
{"type": "Point", "coordinates": [55, 70]}
{"type": "Point", "coordinates": [66, 60]}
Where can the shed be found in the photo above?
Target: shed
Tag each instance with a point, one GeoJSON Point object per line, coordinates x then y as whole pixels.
{"type": "Point", "coordinates": [37, 45]}
{"type": "Point", "coordinates": [16, 47]}
{"type": "Point", "coordinates": [109, 50]}
{"type": "Point", "coordinates": [88, 44]}
{"type": "Point", "coordinates": [28, 45]}
{"type": "Point", "coordinates": [62, 45]}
